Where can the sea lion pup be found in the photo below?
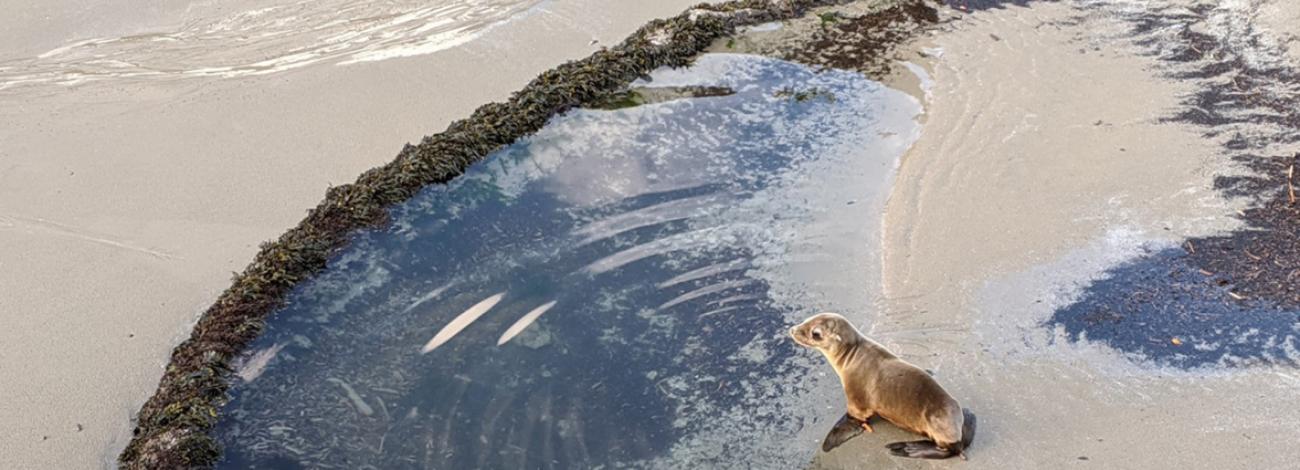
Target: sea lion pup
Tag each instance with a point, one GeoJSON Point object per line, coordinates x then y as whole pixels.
{"type": "Point", "coordinates": [876, 382]}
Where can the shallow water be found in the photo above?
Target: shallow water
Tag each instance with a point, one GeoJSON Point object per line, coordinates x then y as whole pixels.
{"type": "Point", "coordinates": [1161, 307]}
{"type": "Point", "coordinates": [612, 291]}
{"type": "Point", "coordinates": [270, 37]}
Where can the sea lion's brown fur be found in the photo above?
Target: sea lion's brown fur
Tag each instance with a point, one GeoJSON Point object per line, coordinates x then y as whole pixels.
{"type": "Point", "coordinates": [878, 383]}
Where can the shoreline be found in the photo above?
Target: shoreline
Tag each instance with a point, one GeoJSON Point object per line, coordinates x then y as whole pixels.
{"type": "Point", "coordinates": [201, 172]}
{"type": "Point", "coordinates": [171, 427]}
{"type": "Point", "coordinates": [1065, 197]}
{"type": "Point", "coordinates": [1037, 249]}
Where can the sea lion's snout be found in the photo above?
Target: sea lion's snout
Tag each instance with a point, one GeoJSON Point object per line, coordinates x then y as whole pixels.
{"type": "Point", "coordinates": [799, 335]}
{"type": "Point", "coordinates": [815, 332]}
{"type": "Point", "coordinates": [809, 334]}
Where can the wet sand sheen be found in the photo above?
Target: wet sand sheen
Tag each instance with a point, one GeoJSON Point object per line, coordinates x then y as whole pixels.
{"type": "Point", "coordinates": [1043, 163]}
{"type": "Point", "coordinates": [271, 39]}
{"type": "Point", "coordinates": [1037, 143]}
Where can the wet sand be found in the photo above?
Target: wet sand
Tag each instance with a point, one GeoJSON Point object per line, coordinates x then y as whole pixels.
{"type": "Point", "coordinates": [1043, 163]}
{"type": "Point", "coordinates": [1040, 138]}
{"type": "Point", "coordinates": [1046, 160]}
{"type": "Point", "coordinates": [123, 208]}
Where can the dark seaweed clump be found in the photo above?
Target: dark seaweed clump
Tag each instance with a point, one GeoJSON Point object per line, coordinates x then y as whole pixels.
{"type": "Point", "coordinates": [1262, 261]}
{"type": "Point", "coordinates": [862, 43]}
{"type": "Point", "coordinates": [172, 428]}
{"type": "Point", "coordinates": [646, 95]}
{"type": "Point", "coordinates": [1163, 307]}
{"type": "Point", "coordinates": [1248, 105]}
{"type": "Point", "coordinates": [1235, 296]}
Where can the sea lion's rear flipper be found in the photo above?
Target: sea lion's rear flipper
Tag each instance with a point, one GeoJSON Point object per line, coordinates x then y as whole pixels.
{"type": "Point", "coordinates": [920, 450]}
{"type": "Point", "coordinates": [967, 428]}
{"type": "Point", "coordinates": [846, 428]}
{"type": "Point", "coordinates": [931, 450]}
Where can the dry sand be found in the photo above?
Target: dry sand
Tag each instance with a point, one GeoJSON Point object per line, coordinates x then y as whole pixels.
{"type": "Point", "coordinates": [1043, 162]}
{"type": "Point", "coordinates": [125, 207]}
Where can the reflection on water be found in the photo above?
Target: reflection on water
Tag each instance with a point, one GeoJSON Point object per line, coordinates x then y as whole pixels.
{"type": "Point", "coordinates": [282, 35]}
{"type": "Point", "coordinates": [611, 291]}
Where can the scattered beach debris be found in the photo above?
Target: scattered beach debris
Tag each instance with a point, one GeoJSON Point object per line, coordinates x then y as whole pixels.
{"type": "Point", "coordinates": [355, 398]}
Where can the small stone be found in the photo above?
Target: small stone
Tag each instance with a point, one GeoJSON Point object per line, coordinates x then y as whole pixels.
{"type": "Point", "coordinates": [1176, 341]}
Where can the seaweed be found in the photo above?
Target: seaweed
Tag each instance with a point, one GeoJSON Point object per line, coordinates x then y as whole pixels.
{"type": "Point", "coordinates": [1250, 105]}
{"type": "Point", "coordinates": [828, 18]}
{"type": "Point", "coordinates": [638, 96]}
{"type": "Point", "coordinates": [1238, 291]}
{"type": "Point", "coordinates": [800, 96]}
{"type": "Point", "coordinates": [172, 428]}
{"type": "Point", "coordinates": [862, 43]}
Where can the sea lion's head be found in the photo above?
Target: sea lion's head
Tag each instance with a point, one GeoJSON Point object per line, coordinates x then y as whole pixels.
{"type": "Point", "coordinates": [825, 332]}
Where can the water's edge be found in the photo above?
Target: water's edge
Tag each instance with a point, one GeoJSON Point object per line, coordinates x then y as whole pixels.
{"type": "Point", "coordinates": [172, 427]}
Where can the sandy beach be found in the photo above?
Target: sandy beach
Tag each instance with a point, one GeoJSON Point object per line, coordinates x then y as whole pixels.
{"type": "Point", "coordinates": [124, 207]}
{"type": "Point", "coordinates": [1046, 159]}
{"type": "Point", "coordinates": [1048, 150]}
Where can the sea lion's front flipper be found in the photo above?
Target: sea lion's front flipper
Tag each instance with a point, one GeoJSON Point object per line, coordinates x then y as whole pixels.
{"type": "Point", "coordinates": [846, 428]}
{"type": "Point", "coordinates": [920, 450]}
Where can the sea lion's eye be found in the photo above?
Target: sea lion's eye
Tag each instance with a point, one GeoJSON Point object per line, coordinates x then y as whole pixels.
{"type": "Point", "coordinates": [817, 334]}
